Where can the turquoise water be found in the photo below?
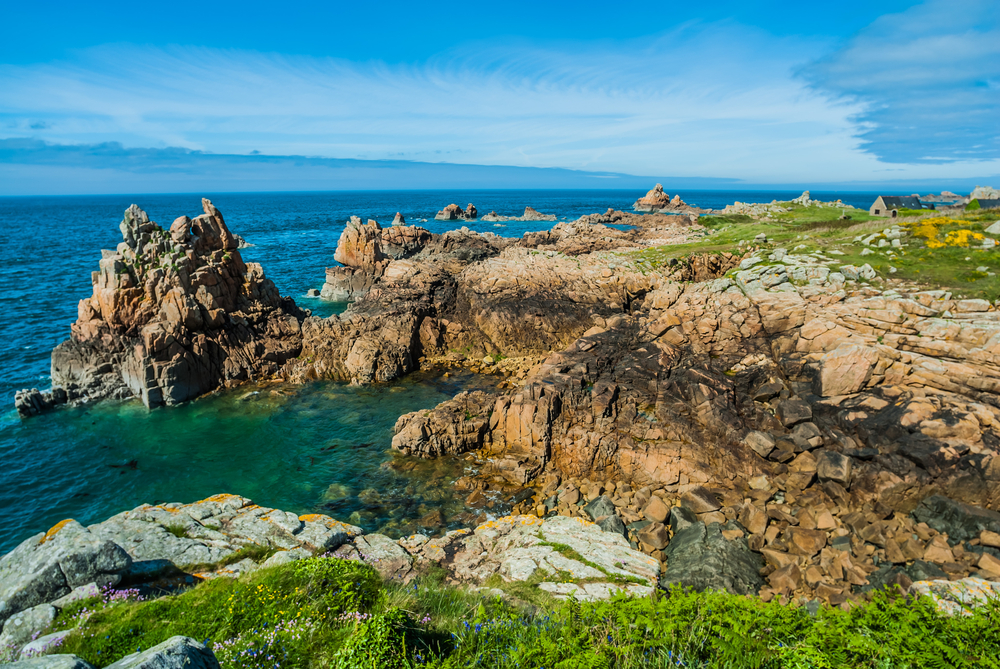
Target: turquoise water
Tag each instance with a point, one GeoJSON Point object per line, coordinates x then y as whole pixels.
{"type": "Point", "coordinates": [322, 447]}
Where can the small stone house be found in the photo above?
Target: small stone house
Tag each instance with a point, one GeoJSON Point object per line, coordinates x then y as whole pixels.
{"type": "Point", "coordinates": [888, 205]}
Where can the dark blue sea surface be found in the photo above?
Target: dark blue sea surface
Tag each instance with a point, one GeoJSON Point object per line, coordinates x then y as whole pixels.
{"type": "Point", "coordinates": [322, 447]}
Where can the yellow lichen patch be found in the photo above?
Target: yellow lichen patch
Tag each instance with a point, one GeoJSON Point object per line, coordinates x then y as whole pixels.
{"type": "Point", "coordinates": [55, 530]}
{"type": "Point", "coordinates": [583, 521]}
{"type": "Point", "coordinates": [312, 517]}
{"type": "Point", "coordinates": [168, 509]}
{"type": "Point", "coordinates": [223, 497]}
{"type": "Point", "coordinates": [511, 520]}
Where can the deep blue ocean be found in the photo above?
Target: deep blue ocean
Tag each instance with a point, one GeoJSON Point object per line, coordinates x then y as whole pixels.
{"type": "Point", "coordinates": [323, 447]}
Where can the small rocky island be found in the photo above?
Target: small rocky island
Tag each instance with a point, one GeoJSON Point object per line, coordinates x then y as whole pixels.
{"type": "Point", "coordinates": [764, 419]}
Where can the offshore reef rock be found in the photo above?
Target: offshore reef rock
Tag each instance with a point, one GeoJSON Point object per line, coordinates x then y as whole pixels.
{"type": "Point", "coordinates": [654, 200]}
{"type": "Point", "coordinates": [175, 313]}
{"type": "Point", "coordinates": [658, 201]}
{"type": "Point", "coordinates": [455, 213]}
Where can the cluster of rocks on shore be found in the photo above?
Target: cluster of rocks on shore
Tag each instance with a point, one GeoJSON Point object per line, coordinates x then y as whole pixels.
{"type": "Point", "coordinates": [156, 549]}
{"type": "Point", "coordinates": [768, 420]}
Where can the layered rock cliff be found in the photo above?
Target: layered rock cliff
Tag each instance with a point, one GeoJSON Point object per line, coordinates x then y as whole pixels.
{"type": "Point", "coordinates": [174, 313]}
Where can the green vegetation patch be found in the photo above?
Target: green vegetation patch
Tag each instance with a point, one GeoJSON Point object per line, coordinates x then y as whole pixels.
{"type": "Point", "coordinates": [325, 612]}
{"type": "Point", "coordinates": [264, 611]}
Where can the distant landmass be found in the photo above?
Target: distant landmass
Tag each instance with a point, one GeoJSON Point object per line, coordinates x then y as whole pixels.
{"type": "Point", "coordinates": [35, 167]}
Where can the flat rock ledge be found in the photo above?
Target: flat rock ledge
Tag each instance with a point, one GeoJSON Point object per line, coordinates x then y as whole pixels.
{"type": "Point", "coordinates": [163, 547]}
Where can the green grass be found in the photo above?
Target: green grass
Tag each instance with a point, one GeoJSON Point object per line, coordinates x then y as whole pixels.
{"type": "Point", "coordinates": [573, 554]}
{"type": "Point", "coordinates": [816, 229]}
{"type": "Point", "coordinates": [178, 531]}
{"type": "Point", "coordinates": [325, 612]}
{"type": "Point", "coordinates": [256, 552]}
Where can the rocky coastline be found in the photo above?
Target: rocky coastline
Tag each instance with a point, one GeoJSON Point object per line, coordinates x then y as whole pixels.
{"type": "Point", "coordinates": [174, 314]}
{"type": "Point", "coordinates": [766, 420]}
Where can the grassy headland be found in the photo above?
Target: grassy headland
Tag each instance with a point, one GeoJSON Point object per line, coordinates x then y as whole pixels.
{"type": "Point", "coordinates": [938, 251]}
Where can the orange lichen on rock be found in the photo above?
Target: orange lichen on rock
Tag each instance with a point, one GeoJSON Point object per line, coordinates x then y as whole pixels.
{"type": "Point", "coordinates": [312, 517]}
{"type": "Point", "coordinates": [55, 530]}
{"type": "Point", "coordinates": [220, 498]}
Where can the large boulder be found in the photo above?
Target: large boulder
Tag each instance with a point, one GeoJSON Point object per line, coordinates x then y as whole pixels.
{"type": "Point", "coordinates": [49, 565]}
{"type": "Point", "coordinates": [28, 624]}
{"type": "Point", "coordinates": [179, 652]}
{"type": "Point", "coordinates": [700, 557]}
{"type": "Point", "coordinates": [845, 370]}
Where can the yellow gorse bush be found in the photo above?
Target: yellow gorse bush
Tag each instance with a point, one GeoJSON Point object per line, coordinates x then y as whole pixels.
{"type": "Point", "coordinates": [929, 229]}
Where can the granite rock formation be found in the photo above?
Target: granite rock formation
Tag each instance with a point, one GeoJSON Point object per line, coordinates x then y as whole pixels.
{"type": "Point", "coordinates": [466, 290]}
{"type": "Point", "coordinates": [455, 213]}
{"type": "Point", "coordinates": [786, 405]}
{"type": "Point", "coordinates": [654, 200]}
{"type": "Point", "coordinates": [175, 313]}
{"type": "Point", "coordinates": [364, 251]}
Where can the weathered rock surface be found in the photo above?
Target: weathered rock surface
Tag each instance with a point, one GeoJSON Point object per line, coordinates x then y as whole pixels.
{"type": "Point", "coordinates": [70, 562]}
{"type": "Point", "coordinates": [455, 213]}
{"type": "Point", "coordinates": [28, 624]}
{"type": "Point", "coordinates": [654, 200]}
{"type": "Point", "coordinates": [213, 529]}
{"type": "Point", "coordinates": [658, 201]}
{"type": "Point", "coordinates": [179, 652]}
{"type": "Point", "coordinates": [516, 547]}
{"type": "Point", "coordinates": [49, 565]}
{"type": "Point", "coordinates": [365, 251]}
{"type": "Point", "coordinates": [817, 413]}
{"type": "Point", "coordinates": [174, 314]}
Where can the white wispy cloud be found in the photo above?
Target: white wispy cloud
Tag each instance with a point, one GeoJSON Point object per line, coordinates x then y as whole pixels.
{"type": "Point", "coordinates": [928, 80]}
{"type": "Point", "coordinates": [703, 99]}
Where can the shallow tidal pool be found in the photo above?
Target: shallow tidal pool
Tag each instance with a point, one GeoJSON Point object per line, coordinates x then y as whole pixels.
{"type": "Point", "coordinates": [322, 447]}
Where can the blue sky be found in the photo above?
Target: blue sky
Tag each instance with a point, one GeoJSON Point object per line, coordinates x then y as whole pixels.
{"type": "Point", "coordinates": [761, 92]}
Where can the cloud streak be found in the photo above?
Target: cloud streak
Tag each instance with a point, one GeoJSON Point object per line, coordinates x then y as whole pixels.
{"type": "Point", "coordinates": [928, 80]}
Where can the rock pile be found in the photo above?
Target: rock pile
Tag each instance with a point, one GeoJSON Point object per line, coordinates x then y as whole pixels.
{"type": "Point", "coordinates": [658, 201]}
{"type": "Point", "coordinates": [174, 314]}
{"type": "Point", "coordinates": [530, 214]}
{"type": "Point", "coordinates": [455, 213]}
